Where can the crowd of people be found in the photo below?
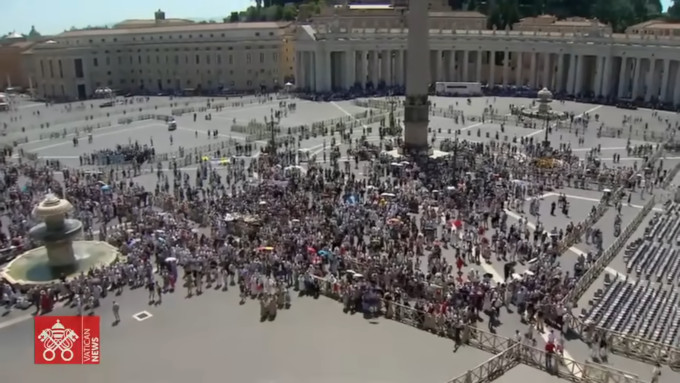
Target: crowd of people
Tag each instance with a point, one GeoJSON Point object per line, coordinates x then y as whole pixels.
{"type": "Point", "coordinates": [400, 232]}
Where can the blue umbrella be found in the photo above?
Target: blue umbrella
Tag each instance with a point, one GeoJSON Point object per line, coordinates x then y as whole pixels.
{"type": "Point", "coordinates": [325, 253]}
{"type": "Point", "coordinates": [106, 188]}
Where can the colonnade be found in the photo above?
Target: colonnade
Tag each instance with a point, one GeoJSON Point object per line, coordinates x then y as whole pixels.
{"type": "Point", "coordinates": [622, 77]}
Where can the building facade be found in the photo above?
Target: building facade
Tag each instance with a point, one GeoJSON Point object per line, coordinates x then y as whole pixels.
{"type": "Point", "coordinates": [13, 72]}
{"type": "Point", "coordinates": [163, 56]}
{"type": "Point", "coordinates": [602, 64]}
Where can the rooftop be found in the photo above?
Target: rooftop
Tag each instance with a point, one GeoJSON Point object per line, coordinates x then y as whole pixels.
{"type": "Point", "coordinates": [195, 27]}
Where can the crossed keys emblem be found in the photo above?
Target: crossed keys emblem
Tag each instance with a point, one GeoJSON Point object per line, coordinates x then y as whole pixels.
{"type": "Point", "coordinates": [58, 338]}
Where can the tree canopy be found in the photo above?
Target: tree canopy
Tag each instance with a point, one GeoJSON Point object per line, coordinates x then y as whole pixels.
{"type": "Point", "coordinates": [620, 14]}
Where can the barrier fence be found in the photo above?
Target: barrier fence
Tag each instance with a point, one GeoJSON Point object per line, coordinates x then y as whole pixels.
{"type": "Point", "coordinates": [510, 353]}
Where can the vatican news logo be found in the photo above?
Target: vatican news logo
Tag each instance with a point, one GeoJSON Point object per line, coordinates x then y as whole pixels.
{"type": "Point", "coordinates": [67, 340]}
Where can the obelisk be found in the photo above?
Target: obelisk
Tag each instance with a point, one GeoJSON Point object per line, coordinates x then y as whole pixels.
{"type": "Point", "coordinates": [416, 105]}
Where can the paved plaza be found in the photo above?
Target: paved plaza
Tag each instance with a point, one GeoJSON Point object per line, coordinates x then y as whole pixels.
{"type": "Point", "coordinates": [212, 337]}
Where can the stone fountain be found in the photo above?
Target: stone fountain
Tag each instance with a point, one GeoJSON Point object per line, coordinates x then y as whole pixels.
{"type": "Point", "coordinates": [543, 111]}
{"type": "Point", "coordinates": [61, 255]}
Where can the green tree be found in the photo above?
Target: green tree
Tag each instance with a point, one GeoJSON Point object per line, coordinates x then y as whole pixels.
{"type": "Point", "coordinates": [234, 17]}
{"type": "Point", "coordinates": [674, 10]}
{"type": "Point", "coordinates": [289, 12]}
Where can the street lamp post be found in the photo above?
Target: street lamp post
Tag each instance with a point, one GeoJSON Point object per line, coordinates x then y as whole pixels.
{"type": "Point", "coordinates": [544, 100]}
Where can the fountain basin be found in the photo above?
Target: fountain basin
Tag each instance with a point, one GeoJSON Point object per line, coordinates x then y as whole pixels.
{"type": "Point", "coordinates": [70, 229]}
{"type": "Point", "coordinates": [34, 268]}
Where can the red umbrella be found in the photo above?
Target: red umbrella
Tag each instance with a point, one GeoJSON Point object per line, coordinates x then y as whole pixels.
{"type": "Point", "coordinates": [311, 250]}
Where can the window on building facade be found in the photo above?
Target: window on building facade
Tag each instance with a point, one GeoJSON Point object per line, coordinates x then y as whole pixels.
{"type": "Point", "coordinates": [42, 68]}
{"type": "Point", "coordinates": [261, 57]}
{"type": "Point", "coordinates": [248, 60]}
{"type": "Point", "coordinates": [176, 60]}
{"type": "Point", "coordinates": [108, 61]}
{"type": "Point", "coordinates": [231, 59]}
{"type": "Point", "coordinates": [139, 59]}
{"type": "Point", "coordinates": [95, 62]}
{"type": "Point", "coordinates": [51, 69]}
{"type": "Point", "coordinates": [63, 91]}
{"type": "Point", "coordinates": [186, 59]}
{"type": "Point", "coordinates": [120, 60]}
{"type": "Point", "coordinates": [207, 59]}
{"type": "Point", "coordinates": [61, 69]}
{"type": "Point", "coordinates": [158, 59]}
{"type": "Point", "coordinates": [219, 59]}
{"type": "Point", "coordinates": [78, 67]}
{"type": "Point", "coordinates": [274, 57]}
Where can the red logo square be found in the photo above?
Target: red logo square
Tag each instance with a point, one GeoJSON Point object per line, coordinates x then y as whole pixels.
{"type": "Point", "coordinates": [67, 340]}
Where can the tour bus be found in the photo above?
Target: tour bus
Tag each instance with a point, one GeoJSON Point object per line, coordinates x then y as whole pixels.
{"type": "Point", "coordinates": [464, 89]}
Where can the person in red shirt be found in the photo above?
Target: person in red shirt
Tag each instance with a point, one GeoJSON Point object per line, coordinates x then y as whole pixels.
{"type": "Point", "coordinates": [549, 355]}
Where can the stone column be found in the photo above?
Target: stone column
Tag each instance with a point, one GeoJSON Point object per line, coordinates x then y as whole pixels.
{"type": "Point", "coordinates": [636, 78]}
{"type": "Point", "coordinates": [492, 68]}
{"type": "Point", "coordinates": [479, 67]}
{"type": "Point", "coordinates": [607, 74]}
{"type": "Point", "coordinates": [399, 67]}
{"type": "Point", "coordinates": [363, 68]}
{"type": "Point", "coordinates": [416, 105]}
{"type": "Point", "coordinates": [506, 61]}
{"type": "Point", "coordinates": [665, 78]}
{"type": "Point", "coordinates": [440, 65]}
{"type": "Point", "coordinates": [559, 82]}
{"type": "Point", "coordinates": [520, 64]}
{"type": "Point", "coordinates": [351, 59]}
{"type": "Point", "coordinates": [532, 79]}
{"type": "Point", "coordinates": [597, 87]}
{"type": "Point", "coordinates": [385, 63]}
{"type": "Point", "coordinates": [547, 70]}
{"type": "Point", "coordinates": [676, 94]}
{"type": "Point", "coordinates": [375, 68]}
{"type": "Point", "coordinates": [650, 89]}
{"type": "Point", "coordinates": [623, 75]}
{"type": "Point", "coordinates": [466, 70]}
{"type": "Point", "coordinates": [298, 69]}
{"type": "Point", "coordinates": [572, 74]}
{"type": "Point", "coordinates": [580, 72]}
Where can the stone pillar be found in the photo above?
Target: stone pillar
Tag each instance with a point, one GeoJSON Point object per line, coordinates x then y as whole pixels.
{"type": "Point", "coordinates": [439, 55]}
{"type": "Point", "coordinates": [607, 74]}
{"type": "Point", "coordinates": [636, 78]}
{"type": "Point", "coordinates": [466, 70]}
{"type": "Point", "coordinates": [547, 69]}
{"type": "Point", "coordinates": [399, 67]}
{"type": "Point", "coordinates": [597, 87]}
{"type": "Point", "coordinates": [520, 64]}
{"type": "Point", "coordinates": [572, 74]}
{"type": "Point", "coordinates": [363, 68]}
{"type": "Point", "coordinates": [650, 85]}
{"type": "Point", "coordinates": [479, 67]}
{"type": "Point", "coordinates": [676, 94]}
{"type": "Point", "coordinates": [664, 82]}
{"type": "Point", "coordinates": [416, 105]}
{"type": "Point", "coordinates": [623, 75]}
{"type": "Point", "coordinates": [298, 69]}
{"type": "Point", "coordinates": [506, 66]}
{"type": "Point", "coordinates": [532, 79]}
{"type": "Point", "coordinates": [559, 82]}
{"type": "Point", "coordinates": [351, 58]}
{"type": "Point", "coordinates": [386, 63]}
{"type": "Point", "coordinates": [375, 68]}
{"type": "Point", "coordinates": [581, 71]}
{"type": "Point", "coordinates": [492, 68]}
